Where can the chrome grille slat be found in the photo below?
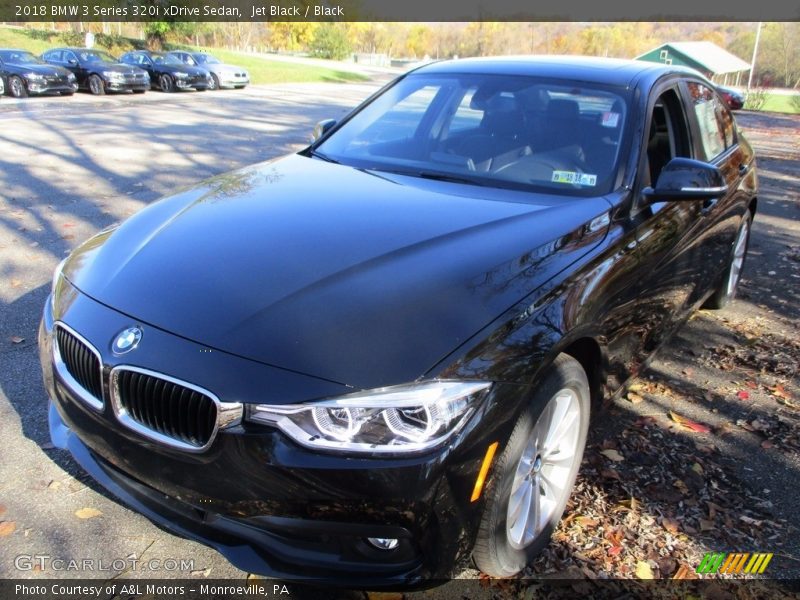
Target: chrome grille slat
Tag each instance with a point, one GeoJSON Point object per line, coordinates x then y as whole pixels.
{"type": "Point", "coordinates": [164, 409]}
{"type": "Point", "coordinates": [79, 365]}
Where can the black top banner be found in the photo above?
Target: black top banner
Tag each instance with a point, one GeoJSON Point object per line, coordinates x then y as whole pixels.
{"type": "Point", "coordinates": [396, 10]}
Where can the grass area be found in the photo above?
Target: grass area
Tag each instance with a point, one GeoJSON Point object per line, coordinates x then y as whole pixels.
{"type": "Point", "coordinates": [262, 70]}
{"type": "Point", "coordinates": [782, 103]}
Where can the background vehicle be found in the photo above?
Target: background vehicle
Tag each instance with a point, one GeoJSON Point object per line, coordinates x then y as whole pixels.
{"type": "Point", "coordinates": [377, 358]}
{"type": "Point", "coordinates": [25, 74]}
{"type": "Point", "coordinates": [98, 71]}
{"type": "Point", "coordinates": [223, 75]}
{"type": "Point", "coordinates": [167, 72]}
{"type": "Point", "coordinates": [733, 97]}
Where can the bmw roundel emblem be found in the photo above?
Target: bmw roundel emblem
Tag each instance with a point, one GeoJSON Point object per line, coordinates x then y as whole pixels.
{"type": "Point", "coordinates": [126, 340]}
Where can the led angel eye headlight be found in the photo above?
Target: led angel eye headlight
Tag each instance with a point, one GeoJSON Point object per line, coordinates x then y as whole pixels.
{"type": "Point", "coordinates": [401, 419]}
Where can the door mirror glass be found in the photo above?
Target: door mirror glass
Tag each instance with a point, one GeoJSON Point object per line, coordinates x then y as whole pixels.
{"type": "Point", "coordinates": [687, 179]}
{"type": "Point", "coordinates": [322, 128]}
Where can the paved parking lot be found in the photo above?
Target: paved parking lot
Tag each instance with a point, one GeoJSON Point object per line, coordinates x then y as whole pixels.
{"type": "Point", "coordinates": [70, 167]}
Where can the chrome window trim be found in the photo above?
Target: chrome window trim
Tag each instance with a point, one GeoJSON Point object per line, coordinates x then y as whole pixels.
{"type": "Point", "coordinates": [228, 413]}
{"type": "Point", "coordinates": [66, 377]}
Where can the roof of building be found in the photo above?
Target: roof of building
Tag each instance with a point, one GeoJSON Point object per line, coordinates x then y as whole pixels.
{"type": "Point", "coordinates": [708, 55]}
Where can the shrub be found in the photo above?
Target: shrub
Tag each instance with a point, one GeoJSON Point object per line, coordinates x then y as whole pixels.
{"type": "Point", "coordinates": [794, 102]}
{"type": "Point", "coordinates": [755, 99]}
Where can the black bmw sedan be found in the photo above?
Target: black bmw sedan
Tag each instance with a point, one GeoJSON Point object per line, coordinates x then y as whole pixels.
{"type": "Point", "coordinates": [375, 361]}
{"type": "Point", "coordinates": [98, 71]}
{"type": "Point", "coordinates": [24, 74]}
{"type": "Point", "coordinates": [167, 72]}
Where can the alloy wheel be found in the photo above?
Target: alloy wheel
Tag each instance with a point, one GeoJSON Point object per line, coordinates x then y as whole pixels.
{"type": "Point", "coordinates": [543, 474]}
{"type": "Point", "coordinates": [739, 251]}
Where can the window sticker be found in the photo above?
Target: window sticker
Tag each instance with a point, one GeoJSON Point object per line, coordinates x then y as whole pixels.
{"type": "Point", "coordinates": [610, 119]}
{"type": "Point", "coordinates": [574, 178]}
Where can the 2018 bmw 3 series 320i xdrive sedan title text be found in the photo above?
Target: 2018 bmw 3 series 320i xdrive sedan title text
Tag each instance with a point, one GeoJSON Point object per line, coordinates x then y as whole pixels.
{"type": "Point", "coordinates": [374, 361]}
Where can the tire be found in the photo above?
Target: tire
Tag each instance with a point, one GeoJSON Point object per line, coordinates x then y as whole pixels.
{"type": "Point", "coordinates": [16, 87]}
{"type": "Point", "coordinates": [96, 85]}
{"type": "Point", "coordinates": [507, 543]}
{"type": "Point", "coordinates": [166, 84]}
{"type": "Point", "coordinates": [214, 83]}
{"type": "Point", "coordinates": [726, 291]}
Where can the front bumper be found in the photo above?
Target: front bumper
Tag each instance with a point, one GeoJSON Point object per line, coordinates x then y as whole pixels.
{"type": "Point", "coordinates": [44, 87]}
{"type": "Point", "coordinates": [232, 81]}
{"type": "Point", "coordinates": [124, 86]}
{"type": "Point", "coordinates": [266, 504]}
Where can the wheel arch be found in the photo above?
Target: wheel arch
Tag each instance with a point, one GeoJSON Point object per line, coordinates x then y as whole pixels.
{"type": "Point", "coordinates": [591, 356]}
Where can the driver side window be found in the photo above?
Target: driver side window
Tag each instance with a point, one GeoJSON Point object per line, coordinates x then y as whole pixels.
{"type": "Point", "coordinates": [668, 137]}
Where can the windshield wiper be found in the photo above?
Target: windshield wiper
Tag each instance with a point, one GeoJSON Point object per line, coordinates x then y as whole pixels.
{"type": "Point", "coordinates": [321, 156]}
{"type": "Point", "coordinates": [447, 177]}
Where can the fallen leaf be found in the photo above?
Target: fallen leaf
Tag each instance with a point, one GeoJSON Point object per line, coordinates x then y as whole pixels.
{"type": "Point", "coordinates": [779, 392]}
{"type": "Point", "coordinates": [644, 421]}
{"type": "Point", "coordinates": [7, 528]}
{"type": "Point", "coordinates": [684, 572]}
{"type": "Point", "coordinates": [643, 570]}
{"type": "Point", "coordinates": [706, 525]}
{"type": "Point", "coordinates": [742, 395]}
{"type": "Point", "coordinates": [614, 550]}
{"type": "Point", "coordinates": [635, 398]}
{"type": "Point", "coordinates": [767, 444]}
{"type": "Point", "coordinates": [697, 468]}
{"type": "Point", "coordinates": [87, 513]}
{"type": "Point", "coordinates": [670, 525]}
{"type": "Point", "coordinates": [610, 474]}
{"type": "Point", "coordinates": [15, 339]}
{"type": "Point", "coordinates": [15, 283]}
{"type": "Point", "coordinates": [587, 521]}
{"type": "Point", "coordinates": [612, 454]}
{"type": "Point", "coordinates": [688, 423]}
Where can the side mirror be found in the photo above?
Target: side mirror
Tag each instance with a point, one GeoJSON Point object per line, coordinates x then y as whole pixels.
{"type": "Point", "coordinates": [322, 128]}
{"type": "Point", "coordinates": [687, 179]}
{"type": "Point", "coordinates": [73, 61]}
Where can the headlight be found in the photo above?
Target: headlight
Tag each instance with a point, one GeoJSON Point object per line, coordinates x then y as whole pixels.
{"type": "Point", "coordinates": [34, 76]}
{"type": "Point", "coordinates": [180, 75]}
{"type": "Point", "coordinates": [56, 281]}
{"type": "Point", "coordinates": [113, 75]}
{"type": "Point", "coordinates": [70, 76]}
{"type": "Point", "coordinates": [402, 419]}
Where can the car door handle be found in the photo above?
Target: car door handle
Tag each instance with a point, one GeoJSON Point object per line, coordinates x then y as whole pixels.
{"type": "Point", "coordinates": [743, 169]}
{"type": "Point", "coordinates": [708, 206]}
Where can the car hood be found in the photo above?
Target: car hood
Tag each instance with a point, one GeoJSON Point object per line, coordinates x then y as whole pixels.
{"type": "Point", "coordinates": [117, 67]}
{"type": "Point", "coordinates": [332, 271]}
{"type": "Point", "coordinates": [46, 70]}
{"type": "Point", "coordinates": [189, 70]}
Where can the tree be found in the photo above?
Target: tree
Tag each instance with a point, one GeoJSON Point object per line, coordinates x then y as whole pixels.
{"type": "Point", "coordinates": [330, 41]}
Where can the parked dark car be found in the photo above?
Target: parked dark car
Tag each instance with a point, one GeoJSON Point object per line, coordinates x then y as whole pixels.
{"type": "Point", "coordinates": [24, 74]}
{"type": "Point", "coordinates": [375, 360]}
{"type": "Point", "coordinates": [222, 75]}
{"type": "Point", "coordinates": [98, 71]}
{"type": "Point", "coordinates": [733, 97]}
{"type": "Point", "coordinates": [167, 72]}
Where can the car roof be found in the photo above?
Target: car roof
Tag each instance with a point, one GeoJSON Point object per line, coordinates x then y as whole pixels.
{"type": "Point", "coordinates": [611, 71]}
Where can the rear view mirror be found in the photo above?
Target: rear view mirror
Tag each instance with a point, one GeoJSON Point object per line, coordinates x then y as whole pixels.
{"type": "Point", "coordinates": [322, 128]}
{"type": "Point", "coordinates": [687, 179]}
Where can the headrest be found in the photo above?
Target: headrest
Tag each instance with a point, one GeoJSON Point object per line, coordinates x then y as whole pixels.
{"type": "Point", "coordinates": [563, 109]}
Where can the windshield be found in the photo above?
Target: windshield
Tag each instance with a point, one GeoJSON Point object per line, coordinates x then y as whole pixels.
{"type": "Point", "coordinates": [91, 56]}
{"type": "Point", "coordinates": [165, 59]}
{"type": "Point", "coordinates": [19, 57]}
{"type": "Point", "coordinates": [498, 130]}
{"type": "Point", "coordinates": [206, 59]}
